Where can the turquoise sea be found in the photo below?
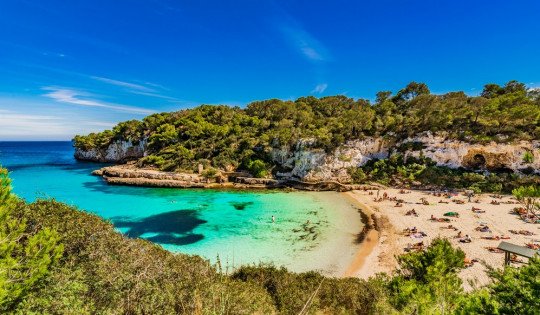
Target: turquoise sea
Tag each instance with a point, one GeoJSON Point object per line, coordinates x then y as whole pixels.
{"type": "Point", "coordinates": [312, 230]}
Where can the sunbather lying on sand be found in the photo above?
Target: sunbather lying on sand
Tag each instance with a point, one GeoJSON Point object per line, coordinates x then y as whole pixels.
{"type": "Point", "coordinates": [514, 258]}
{"type": "Point", "coordinates": [410, 230]}
{"type": "Point", "coordinates": [477, 210]}
{"type": "Point", "coordinates": [469, 262]}
{"type": "Point", "coordinates": [418, 235]}
{"type": "Point", "coordinates": [466, 239]}
{"type": "Point", "coordinates": [496, 237]}
{"type": "Point", "coordinates": [533, 246]}
{"type": "Point", "coordinates": [450, 227]}
{"type": "Point", "coordinates": [417, 246]}
{"type": "Point", "coordinates": [482, 228]}
{"type": "Point", "coordinates": [412, 212]}
{"type": "Point", "coordinates": [433, 218]}
{"type": "Point", "coordinates": [522, 232]}
{"type": "Point", "coordinates": [494, 249]}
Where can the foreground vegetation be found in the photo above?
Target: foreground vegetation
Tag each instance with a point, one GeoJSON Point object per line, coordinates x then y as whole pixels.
{"type": "Point", "coordinates": [225, 137]}
{"type": "Point", "coordinates": [55, 259]}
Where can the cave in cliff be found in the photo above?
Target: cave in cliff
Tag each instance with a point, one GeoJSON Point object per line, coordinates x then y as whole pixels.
{"type": "Point", "coordinates": [493, 162]}
{"type": "Point", "coordinates": [478, 161]}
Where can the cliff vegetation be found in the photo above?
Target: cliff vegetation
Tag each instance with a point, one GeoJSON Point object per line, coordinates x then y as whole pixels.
{"type": "Point", "coordinates": [231, 138]}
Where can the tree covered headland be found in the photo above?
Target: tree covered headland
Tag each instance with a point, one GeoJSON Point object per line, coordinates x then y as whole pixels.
{"type": "Point", "coordinates": [226, 137]}
{"type": "Point", "coordinates": [55, 259]}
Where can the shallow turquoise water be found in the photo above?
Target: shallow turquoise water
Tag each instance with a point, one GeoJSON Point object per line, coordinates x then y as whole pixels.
{"type": "Point", "coordinates": [234, 225]}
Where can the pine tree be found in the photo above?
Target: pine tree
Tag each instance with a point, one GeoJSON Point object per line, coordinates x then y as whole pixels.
{"type": "Point", "coordinates": [25, 259]}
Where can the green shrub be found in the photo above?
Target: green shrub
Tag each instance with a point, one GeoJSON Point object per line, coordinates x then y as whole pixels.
{"type": "Point", "coordinates": [258, 168]}
{"type": "Point", "coordinates": [398, 171]}
{"type": "Point", "coordinates": [357, 175]}
{"type": "Point", "coordinates": [27, 252]}
{"type": "Point", "coordinates": [528, 157]}
{"type": "Point", "coordinates": [152, 160]}
{"type": "Point", "coordinates": [210, 172]}
{"type": "Point", "coordinates": [290, 292]}
{"type": "Point", "coordinates": [427, 282]}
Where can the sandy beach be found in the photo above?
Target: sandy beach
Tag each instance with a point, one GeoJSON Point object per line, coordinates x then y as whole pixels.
{"type": "Point", "coordinates": [377, 253]}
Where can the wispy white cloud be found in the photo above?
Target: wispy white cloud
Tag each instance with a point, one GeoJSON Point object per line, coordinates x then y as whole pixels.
{"type": "Point", "coordinates": [18, 125]}
{"type": "Point", "coordinates": [21, 125]}
{"type": "Point", "coordinates": [319, 88]}
{"type": "Point", "coordinates": [305, 43]}
{"type": "Point", "coordinates": [104, 124]}
{"type": "Point", "coordinates": [129, 85]}
{"type": "Point", "coordinates": [6, 114]}
{"type": "Point", "coordinates": [159, 86]}
{"type": "Point", "coordinates": [157, 95]}
{"type": "Point", "coordinates": [75, 97]}
{"type": "Point", "coordinates": [146, 89]}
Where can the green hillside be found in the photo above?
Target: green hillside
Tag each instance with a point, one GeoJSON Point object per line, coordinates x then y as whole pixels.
{"type": "Point", "coordinates": [226, 137]}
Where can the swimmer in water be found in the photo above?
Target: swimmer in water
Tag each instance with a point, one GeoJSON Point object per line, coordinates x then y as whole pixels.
{"type": "Point", "coordinates": [273, 219]}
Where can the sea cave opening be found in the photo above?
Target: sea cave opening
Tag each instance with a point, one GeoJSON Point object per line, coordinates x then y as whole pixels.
{"type": "Point", "coordinates": [478, 162]}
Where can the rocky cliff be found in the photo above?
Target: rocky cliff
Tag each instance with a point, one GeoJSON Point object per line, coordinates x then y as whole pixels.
{"type": "Point", "coordinates": [116, 152]}
{"type": "Point", "coordinates": [313, 165]}
{"type": "Point", "coordinates": [491, 157]}
{"type": "Point", "coordinates": [306, 163]}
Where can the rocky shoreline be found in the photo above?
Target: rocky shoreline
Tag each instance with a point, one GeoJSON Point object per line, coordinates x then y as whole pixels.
{"type": "Point", "coordinates": [128, 174]}
{"type": "Point", "coordinates": [303, 165]}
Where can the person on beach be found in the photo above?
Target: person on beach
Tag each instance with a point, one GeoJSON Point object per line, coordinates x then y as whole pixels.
{"type": "Point", "coordinates": [273, 219]}
{"type": "Point", "coordinates": [466, 239]}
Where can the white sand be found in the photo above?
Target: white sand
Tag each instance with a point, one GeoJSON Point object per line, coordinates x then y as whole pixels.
{"type": "Point", "coordinates": [392, 241]}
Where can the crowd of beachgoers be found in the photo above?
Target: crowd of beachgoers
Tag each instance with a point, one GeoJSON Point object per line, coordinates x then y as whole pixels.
{"type": "Point", "coordinates": [410, 219]}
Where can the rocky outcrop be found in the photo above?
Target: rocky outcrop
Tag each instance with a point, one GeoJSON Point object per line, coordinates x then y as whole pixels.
{"type": "Point", "coordinates": [267, 182]}
{"type": "Point", "coordinates": [304, 163]}
{"type": "Point", "coordinates": [315, 165]}
{"type": "Point", "coordinates": [491, 157]}
{"type": "Point", "coordinates": [117, 152]}
{"type": "Point", "coordinates": [129, 174]}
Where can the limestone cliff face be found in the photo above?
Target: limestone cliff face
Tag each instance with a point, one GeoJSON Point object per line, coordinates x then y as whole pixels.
{"type": "Point", "coordinates": [313, 165]}
{"type": "Point", "coordinates": [307, 163]}
{"type": "Point", "coordinates": [116, 152]}
{"type": "Point", "coordinates": [491, 157]}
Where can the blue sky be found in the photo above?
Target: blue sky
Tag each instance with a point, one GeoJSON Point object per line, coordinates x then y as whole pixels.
{"type": "Point", "coordinates": [69, 67]}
